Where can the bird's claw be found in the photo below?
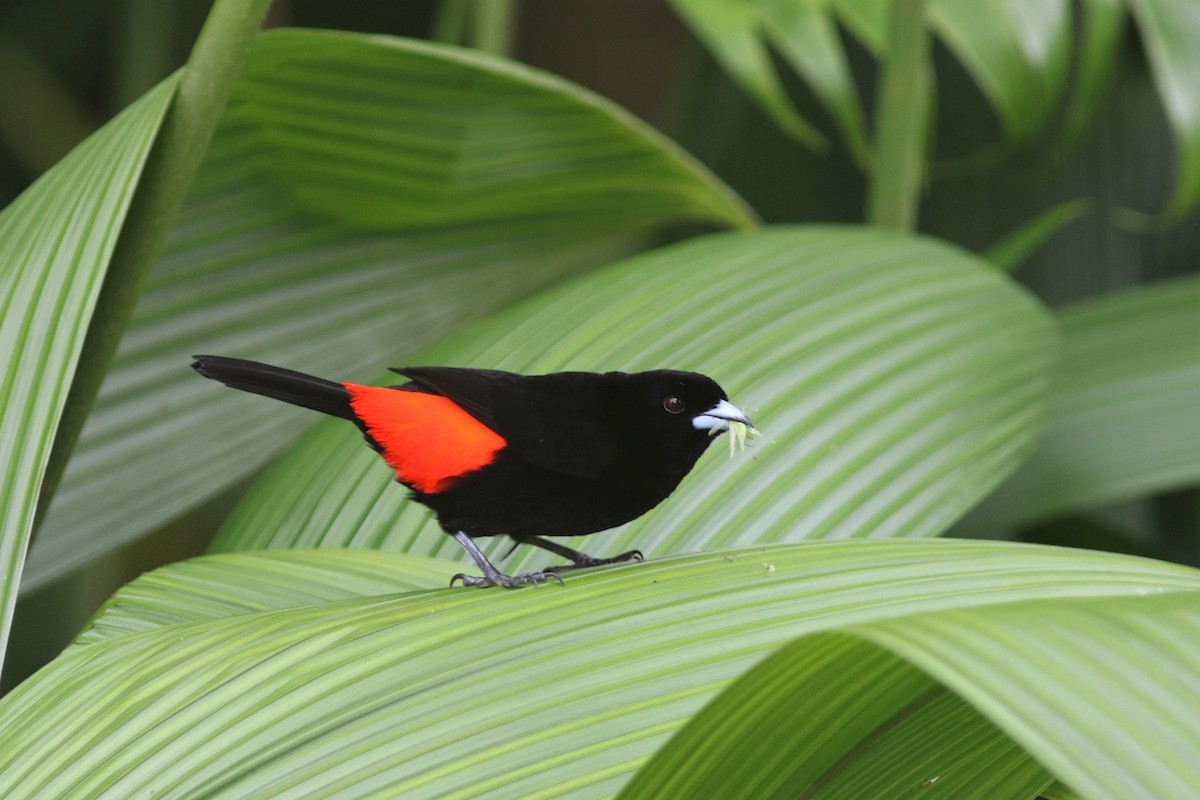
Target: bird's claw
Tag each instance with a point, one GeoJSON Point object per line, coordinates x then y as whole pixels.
{"type": "Point", "coordinates": [507, 581]}
{"type": "Point", "coordinates": [586, 561]}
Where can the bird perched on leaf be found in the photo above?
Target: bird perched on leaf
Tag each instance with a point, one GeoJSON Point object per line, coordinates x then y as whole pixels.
{"type": "Point", "coordinates": [526, 456]}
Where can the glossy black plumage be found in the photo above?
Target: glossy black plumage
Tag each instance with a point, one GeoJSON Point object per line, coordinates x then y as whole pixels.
{"type": "Point", "coordinates": [586, 451]}
{"type": "Point", "coordinates": [582, 452]}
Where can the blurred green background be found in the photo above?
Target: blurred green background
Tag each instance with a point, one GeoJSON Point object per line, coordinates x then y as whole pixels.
{"type": "Point", "coordinates": [70, 65]}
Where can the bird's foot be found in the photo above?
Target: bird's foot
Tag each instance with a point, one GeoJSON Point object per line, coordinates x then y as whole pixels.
{"type": "Point", "coordinates": [583, 560]}
{"type": "Point", "coordinates": [507, 581]}
{"type": "Point", "coordinates": [493, 576]}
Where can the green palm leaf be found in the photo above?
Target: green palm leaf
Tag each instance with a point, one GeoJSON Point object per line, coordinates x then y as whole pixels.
{"type": "Point", "coordinates": [232, 584]}
{"type": "Point", "coordinates": [543, 692]}
{"type": "Point", "coordinates": [1018, 52]}
{"type": "Point", "coordinates": [1123, 408]}
{"type": "Point", "coordinates": [55, 244]}
{"type": "Point", "coordinates": [1102, 691]}
{"type": "Point", "coordinates": [847, 720]}
{"type": "Point", "coordinates": [1170, 29]}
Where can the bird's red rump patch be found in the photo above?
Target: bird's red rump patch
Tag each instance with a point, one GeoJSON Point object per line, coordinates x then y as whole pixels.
{"type": "Point", "coordinates": [428, 439]}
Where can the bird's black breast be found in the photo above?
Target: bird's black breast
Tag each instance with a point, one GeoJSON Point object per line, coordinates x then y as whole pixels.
{"type": "Point", "coordinates": [517, 498]}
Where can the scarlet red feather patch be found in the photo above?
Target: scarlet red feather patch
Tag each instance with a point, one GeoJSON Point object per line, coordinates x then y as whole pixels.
{"type": "Point", "coordinates": [426, 438]}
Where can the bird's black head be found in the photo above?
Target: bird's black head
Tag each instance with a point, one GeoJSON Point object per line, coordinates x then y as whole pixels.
{"type": "Point", "coordinates": [677, 411]}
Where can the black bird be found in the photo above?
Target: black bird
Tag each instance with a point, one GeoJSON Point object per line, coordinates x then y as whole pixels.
{"type": "Point", "coordinates": [526, 456]}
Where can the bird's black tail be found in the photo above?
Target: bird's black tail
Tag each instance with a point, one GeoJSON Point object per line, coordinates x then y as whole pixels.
{"type": "Point", "coordinates": [282, 384]}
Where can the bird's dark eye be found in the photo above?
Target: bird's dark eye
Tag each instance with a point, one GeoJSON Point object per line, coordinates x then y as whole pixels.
{"type": "Point", "coordinates": [673, 404]}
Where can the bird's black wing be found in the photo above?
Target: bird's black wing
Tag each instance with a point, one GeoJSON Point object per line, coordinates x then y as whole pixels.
{"type": "Point", "coordinates": [561, 422]}
{"type": "Point", "coordinates": [471, 389]}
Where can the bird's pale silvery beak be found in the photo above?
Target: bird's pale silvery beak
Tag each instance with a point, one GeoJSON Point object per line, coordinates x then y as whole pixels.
{"type": "Point", "coordinates": [719, 416]}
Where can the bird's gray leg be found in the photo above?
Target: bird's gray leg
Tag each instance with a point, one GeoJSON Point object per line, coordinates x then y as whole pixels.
{"type": "Point", "coordinates": [578, 560]}
{"type": "Point", "coordinates": [491, 575]}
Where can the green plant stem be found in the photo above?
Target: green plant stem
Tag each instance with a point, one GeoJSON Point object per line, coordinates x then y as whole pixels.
{"type": "Point", "coordinates": [213, 66]}
{"type": "Point", "coordinates": [1011, 251]}
{"type": "Point", "coordinates": [494, 26]}
{"type": "Point", "coordinates": [450, 22]}
{"type": "Point", "coordinates": [142, 54]}
{"type": "Point", "coordinates": [901, 114]}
